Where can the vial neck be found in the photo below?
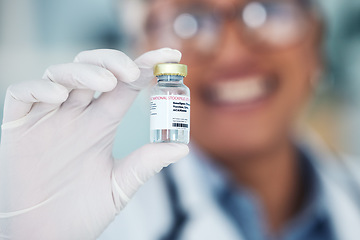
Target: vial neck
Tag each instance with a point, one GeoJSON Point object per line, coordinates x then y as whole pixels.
{"type": "Point", "coordinates": [170, 78]}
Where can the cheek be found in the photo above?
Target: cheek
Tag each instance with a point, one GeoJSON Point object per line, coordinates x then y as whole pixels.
{"type": "Point", "coordinates": [296, 69]}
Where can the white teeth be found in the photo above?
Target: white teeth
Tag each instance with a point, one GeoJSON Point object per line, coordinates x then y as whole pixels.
{"type": "Point", "coordinates": [236, 91]}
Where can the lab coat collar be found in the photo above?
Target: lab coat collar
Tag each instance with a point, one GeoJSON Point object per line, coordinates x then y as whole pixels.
{"type": "Point", "coordinates": [206, 220]}
{"type": "Point", "coordinates": [339, 184]}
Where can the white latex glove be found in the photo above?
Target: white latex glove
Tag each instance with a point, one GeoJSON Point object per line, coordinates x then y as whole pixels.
{"type": "Point", "coordinates": [58, 178]}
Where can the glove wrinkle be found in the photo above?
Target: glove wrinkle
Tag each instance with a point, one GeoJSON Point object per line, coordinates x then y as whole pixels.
{"type": "Point", "coordinates": [21, 121]}
{"type": "Point", "coordinates": [120, 198]}
{"type": "Point", "coordinates": [19, 212]}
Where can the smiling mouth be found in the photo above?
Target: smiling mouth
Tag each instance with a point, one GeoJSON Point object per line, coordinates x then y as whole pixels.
{"type": "Point", "coordinates": [240, 91]}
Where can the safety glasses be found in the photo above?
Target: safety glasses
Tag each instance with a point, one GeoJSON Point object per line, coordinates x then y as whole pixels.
{"type": "Point", "coordinates": [263, 25]}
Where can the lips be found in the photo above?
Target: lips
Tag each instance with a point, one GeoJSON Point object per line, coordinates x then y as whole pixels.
{"type": "Point", "coordinates": [240, 91]}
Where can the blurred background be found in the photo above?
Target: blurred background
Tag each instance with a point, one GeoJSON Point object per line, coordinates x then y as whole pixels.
{"type": "Point", "coordinates": [37, 33]}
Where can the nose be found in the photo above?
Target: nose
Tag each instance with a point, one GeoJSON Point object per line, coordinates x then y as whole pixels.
{"type": "Point", "coordinates": [232, 47]}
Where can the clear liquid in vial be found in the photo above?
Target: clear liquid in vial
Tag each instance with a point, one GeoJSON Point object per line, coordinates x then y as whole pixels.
{"type": "Point", "coordinates": [170, 135]}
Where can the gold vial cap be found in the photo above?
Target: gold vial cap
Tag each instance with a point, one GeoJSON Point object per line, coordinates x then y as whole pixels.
{"type": "Point", "coordinates": [170, 69]}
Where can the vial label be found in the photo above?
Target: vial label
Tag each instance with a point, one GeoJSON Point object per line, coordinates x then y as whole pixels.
{"type": "Point", "coordinates": [169, 112]}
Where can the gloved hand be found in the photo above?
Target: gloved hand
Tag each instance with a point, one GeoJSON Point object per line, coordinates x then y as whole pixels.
{"type": "Point", "coordinates": [58, 178]}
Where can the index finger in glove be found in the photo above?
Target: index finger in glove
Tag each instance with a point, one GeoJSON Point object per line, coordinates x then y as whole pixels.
{"type": "Point", "coordinates": [124, 68]}
{"type": "Point", "coordinates": [119, 100]}
{"type": "Point", "coordinates": [81, 76]}
{"type": "Point", "coordinates": [20, 97]}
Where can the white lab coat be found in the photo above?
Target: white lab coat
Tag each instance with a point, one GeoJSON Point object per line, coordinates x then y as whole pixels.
{"type": "Point", "coordinates": [148, 215]}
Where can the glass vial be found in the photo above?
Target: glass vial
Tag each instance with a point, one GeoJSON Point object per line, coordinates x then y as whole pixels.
{"type": "Point", "coordinates": [170, 105]}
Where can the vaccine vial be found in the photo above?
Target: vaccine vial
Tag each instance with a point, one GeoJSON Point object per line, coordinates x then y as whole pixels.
{"type": "Point", "coordinates": [170, 105]}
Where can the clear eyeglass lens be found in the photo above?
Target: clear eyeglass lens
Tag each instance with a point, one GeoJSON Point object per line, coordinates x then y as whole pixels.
{"type": "Point", "coordinates": [254, 15]}
{"type": "Point", "coordinates": [186, 26]}
{"type": "Point", "coordinates": [274, 24]}
{"type": "Point", "coordinates": [199, 30]}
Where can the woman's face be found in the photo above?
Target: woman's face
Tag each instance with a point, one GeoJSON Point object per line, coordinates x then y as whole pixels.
{"type": "Point", "coordinates": [248, 87]}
